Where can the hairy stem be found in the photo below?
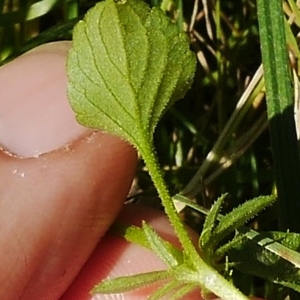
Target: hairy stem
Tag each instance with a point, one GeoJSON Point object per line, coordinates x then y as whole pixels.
{"type": "Point", "coordinates": [205, 275]}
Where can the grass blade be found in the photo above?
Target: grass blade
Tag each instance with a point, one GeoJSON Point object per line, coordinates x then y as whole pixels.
{"type": "Point", "coordinates": [279, 95]}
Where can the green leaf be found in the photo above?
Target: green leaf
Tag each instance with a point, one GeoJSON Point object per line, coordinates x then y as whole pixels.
{"type": "Point", "coordinates": [131, 233]}
{"type": "Point", "coordinates": [271, 256]}
{"type": "Point", "coordinates": [149, 239]}
{"type": "Point", "coordinates": [128, 283]}
{"type": "Point", "coordinates": [183, 291]}
{"type": "Point", "coordinates": [162, 248]}
{"type": "Point", "coordinates": [128, 64]}
{"type": "Point", "coordinates": [172, 291]}
{"type": "Point", "coordinates": [280, 108]}
{"type": "Point", "coordinates": [164, 291]}
{"type": "Point", "coordinates": [238, 217]}
{"type": "Point", "coordinates": [210, 223]}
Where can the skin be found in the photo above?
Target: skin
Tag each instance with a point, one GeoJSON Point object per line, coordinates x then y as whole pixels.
{"type": "Point", "coordinates": [62, 186]}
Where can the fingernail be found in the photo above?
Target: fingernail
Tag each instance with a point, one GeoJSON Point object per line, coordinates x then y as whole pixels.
{"type": "Point", "coordinates": [35, 115]}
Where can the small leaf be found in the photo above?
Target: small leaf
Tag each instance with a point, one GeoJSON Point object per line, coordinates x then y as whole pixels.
{"type": "Point", "coordinates": [238, 217]}
{"type": "Point", "coordinates": [131, 233]}
{"type": "Point", "coordinates": [172, 291]}
{"type": "Point", "coordinates": [128, 283]}
{"type": "Point", "coordinates": [224, 249]}
{"type": "Point", "coordinates": [183, 291]}
{"type": "Point", "coordinates": [162, 248]}
{"type": "Point", "coordinates": [271, 256]}
{"type": "Point", "coordinates": [164, 291]}
{"type": "Point", "coordinates": [149, 239]}
{"type": "Point", "coordinates": [210, 222]}
{"type": "Point", "coordinates": [128, 64]}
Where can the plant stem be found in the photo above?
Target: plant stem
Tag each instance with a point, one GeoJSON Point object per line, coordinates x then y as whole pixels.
{"type": "Point", "coordinates": [151, 161]}
{"type": "Point", "coordinates": [205, 275]}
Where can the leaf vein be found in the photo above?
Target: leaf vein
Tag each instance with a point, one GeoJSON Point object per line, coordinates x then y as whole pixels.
{"type": "Point", "coordinates": [93, 50]}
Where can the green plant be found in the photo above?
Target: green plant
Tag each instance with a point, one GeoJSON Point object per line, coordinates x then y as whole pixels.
{"type": "Point", "coordinates": [128, 64]}
{"type": "Point", "coordinates": [280, 102]}
{"type": "Point", "coordinates": [217, 135]}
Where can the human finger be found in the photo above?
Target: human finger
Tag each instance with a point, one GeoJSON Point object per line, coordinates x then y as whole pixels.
{"type": "Point", "coordinates": [61, 184]}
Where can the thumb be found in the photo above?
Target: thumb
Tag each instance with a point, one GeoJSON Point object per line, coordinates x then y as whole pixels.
{"type": "Point", "coordinates": [61, 185]}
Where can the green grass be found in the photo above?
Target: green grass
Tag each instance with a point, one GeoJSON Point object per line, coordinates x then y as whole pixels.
{"type": "Point", "coordinates": [216, 139]}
